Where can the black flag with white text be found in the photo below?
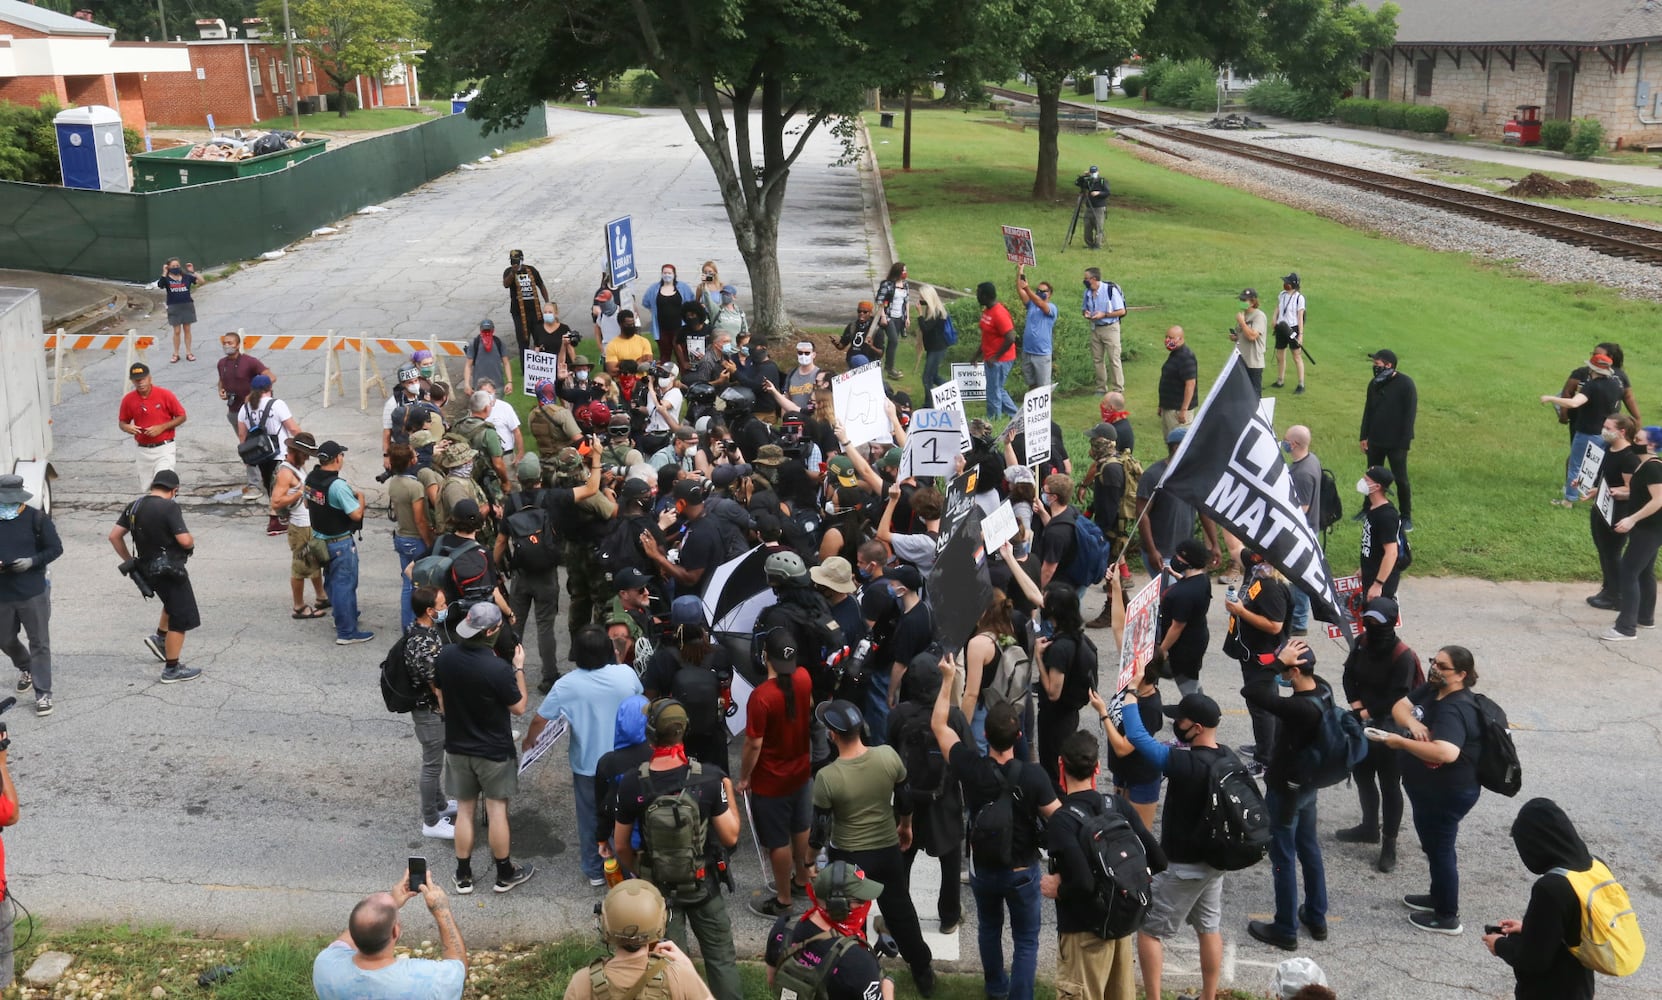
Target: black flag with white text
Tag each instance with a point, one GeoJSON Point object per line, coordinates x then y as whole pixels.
{"type": "Point", "coordinates": [1230, 467]}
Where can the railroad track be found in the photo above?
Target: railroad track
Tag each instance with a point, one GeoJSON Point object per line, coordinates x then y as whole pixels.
{"type": "Point", "coordinates": [1616, 239]}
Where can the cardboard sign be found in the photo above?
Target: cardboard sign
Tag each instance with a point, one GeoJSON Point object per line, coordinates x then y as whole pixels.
{"type": "Point", "coordinates": [1606, 503]}
{"type": "Point", "coordinates": [945, 397]}
{"type": "Point", "coordinates": [1588, 474]}
{"type": "Point", "coordinates": [932, 442]}
{"type": "Point", "coordinates": [538, 365]}
{"type": "Point", "coordinates": [546, 739]}
{"type": "Point", "coordinates": [1142, 620]}
{"type": "Point", "coordinates": [999, 527]}
{"type": "Point", "coordinates": [972, 382]}
{"type": "Point", "coordinates": [958, 587]}
{"type": "Point", "coordinates": [859, 398]}
{"type": "Point", "coordinates": [1035, 415]}
{"type": "Point", "coordinates": [1018, 246]}
{"type": "Point", "coordinates": [1352, 602]}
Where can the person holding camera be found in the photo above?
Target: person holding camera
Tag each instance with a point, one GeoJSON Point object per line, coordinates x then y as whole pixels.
{"type": "Point", "coordinates": [1093, 187]}
{"type": "Point", "coordinates": [337, 513]}
{"type": "Point", "coordinates": [162, 544]}
{"type": "Point", "coordinates": [28, 543]}
{"type": "Point", "coordinates": [1251, 325]}
{"type": "Point", "coordinates": [363, 964]}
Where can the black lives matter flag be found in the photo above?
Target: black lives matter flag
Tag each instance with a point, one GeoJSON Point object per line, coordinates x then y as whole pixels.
{"type": "Point", "coordinates": [1230, 467]}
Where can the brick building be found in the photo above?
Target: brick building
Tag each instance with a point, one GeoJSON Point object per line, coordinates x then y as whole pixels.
{"type": "Point", "coordinates": [1480, 59]}
{"type": "Point", "coordinates": [44, 53]}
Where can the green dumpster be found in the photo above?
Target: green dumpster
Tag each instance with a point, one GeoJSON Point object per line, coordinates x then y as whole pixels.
{"type": "Point", "coordinates": [166, 169]}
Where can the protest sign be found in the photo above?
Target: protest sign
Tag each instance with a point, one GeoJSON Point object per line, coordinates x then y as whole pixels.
{"type": "Point", "coordinates": [1035, 415]}
{"type": "Point", "coordinates": [1352, 602]}
{"type": "Point", "coordinates": [858, 397]}
{"type": "Point", "coordinates": [972, 382]}
{"type": "Point", "coordinates": [999, 526]}
{"type": "Point", "coordinates": [945, 397]}
{"type": "Point", "coordinates": [1606, 503]}
{"type": "Point", "coordinates": [932, 442]}
{"type": "Point", "coordinates": [1018, 246]}
{"type": "Point", "coordinates": [550, 735]}
{"type": "Point", "coordinates": [1137, 645]}
{"type": "Point", "coordinates": [958, 587]}
{"type": "Point", "coordinates": [539, 365]}
{"type": "Point", "coordinates": [1588, 474]}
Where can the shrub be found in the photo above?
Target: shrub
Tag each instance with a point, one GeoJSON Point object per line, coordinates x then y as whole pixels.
{"type": "Point", "coordinates": [1133, 85]}
{"type": "Point", "coordinates": [1275, 96]}
{"type": "Point", "coordinates": [649, 91]}
{"type": "Point", "coordinates": [1425, 118]}
{"type": "Point", "coordinates": [1192, 83]}
{"type": "Point", "coordinates": [1153, 73]}
{"type": "Point", "coordinates": [29, 143]}
{"type": "Point", "coordinates": [1359, 111]}
{"type": "Point", "coordinates": [1390, 114]}
{"type": "Point", "coordinates": [1555, 134]}
{"type": "Point", "coordinates": [132, 140]}
{"type": "Point", "coordinates": [1588, 139]}
{"type": "Point", "coordinates": [1084, 84]}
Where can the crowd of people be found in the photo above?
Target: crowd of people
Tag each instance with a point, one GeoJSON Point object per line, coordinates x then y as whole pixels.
{"type": "Point", "coordinates": [865, 742]}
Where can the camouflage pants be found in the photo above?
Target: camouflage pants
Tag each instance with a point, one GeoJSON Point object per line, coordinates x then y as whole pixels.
{"type": "Point", "coordinates": [585, 585]}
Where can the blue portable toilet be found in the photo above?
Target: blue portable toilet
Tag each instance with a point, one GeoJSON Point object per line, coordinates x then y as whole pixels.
{"type": "Point", "coordinates": [91, 149]}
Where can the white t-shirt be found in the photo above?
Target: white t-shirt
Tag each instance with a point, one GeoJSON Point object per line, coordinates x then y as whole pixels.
{"type": "Point", "coordinates": [299, 515]}
{"type": "Point", "coordinates": [1287, 307]}
{"type": "Point", "coordinates": [897, 307]}
{"type": "Point", "coordinates": [608, 324]}
{"type": "Point", "coordinates": [656, 424]}
{"type": "Point", "coordinates": [279, 415]}
{"type": "Point", "coordinates": [506, 421]}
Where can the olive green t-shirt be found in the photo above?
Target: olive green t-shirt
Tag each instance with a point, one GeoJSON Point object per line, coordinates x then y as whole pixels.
{"type": "Point", "coordinates": [860, 795]}
{"type": "Point", "coordinates": [404, 491]}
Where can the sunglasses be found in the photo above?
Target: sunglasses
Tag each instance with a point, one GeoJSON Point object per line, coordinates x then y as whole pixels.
{"type": "Point", "coordinates": [1440, 665]}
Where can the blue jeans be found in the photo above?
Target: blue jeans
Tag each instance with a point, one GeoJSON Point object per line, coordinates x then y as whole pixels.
{"type": "Point", "coordinates": [1578, 448]}
{"type": "Point", "coordinates": [1293, 838]}
{"type": "Point", "coordinates": [1019, 891]}
{"type": "Point", "coordinates": [998, 397]}
{"type": "Point", "coordinates": [1301, 607]}
{"type": "Point", "coordinates": [582, 787]}
{"type": "Point", "coordinates": [409, 549]}
{"type": "Point", "coordinates": [340, 582]}
{"type": "Point", "coordinates": [932, 361]}
{"type": "Point", "coordinates": [1437, 816]}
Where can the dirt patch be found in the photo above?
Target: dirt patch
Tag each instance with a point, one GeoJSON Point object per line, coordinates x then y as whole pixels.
{"type": "Point", "coordinates": [1538, 185]}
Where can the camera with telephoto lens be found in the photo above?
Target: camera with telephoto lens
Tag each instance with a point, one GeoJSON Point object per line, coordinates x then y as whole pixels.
{"type": "Point", "coordinates": [1082, 182]}
{"type": "Point", "coordinates": [849, 669]}
{"type": "Point", "coordinates": [130, 570]}
{"type": "Point", "coordinates": [385, 475]}
{"type": "Point", "coordinates": [573, 337]}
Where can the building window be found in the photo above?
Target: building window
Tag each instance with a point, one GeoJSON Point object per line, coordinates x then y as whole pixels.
{"type": "Point", "coordinates": [274, 78]}
{"type": "Point", "coordinates": [1422, 76]}
{"type": "Point", "coordinates": [254, 75]}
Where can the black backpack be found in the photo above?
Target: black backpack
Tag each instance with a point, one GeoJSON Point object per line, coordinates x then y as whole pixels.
{"type": "Point", "coordinates": [1235, 825]}
{"type": "Point", "coordinates": [1498, 767]}
{"type": "Point", "coordinates": [1332, 504]}
{"type": "Point", "coordinates": [992, 828]}
{"type": "Point", "coordinates": [620, 546]}
{"type": "Point", "coordinates": [397, 689]}
{"type": "Point", "coordinates": [702, 688]}
{"type": "Point", "coordinates": [1119, 870]}
{"type": "Point", "coordinates": [921, 753]}
{"type": "Point", "coordinates": [1338, 747]}
{"type": "Point", "coordinates": [532, 546]}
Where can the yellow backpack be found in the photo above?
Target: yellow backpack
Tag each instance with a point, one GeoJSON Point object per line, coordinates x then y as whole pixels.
{"type": "Point", "coordinates": [1611, 942]}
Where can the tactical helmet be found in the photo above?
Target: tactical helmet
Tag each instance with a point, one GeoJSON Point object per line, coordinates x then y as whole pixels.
{"type": "Point", "coordinates": [593, 417]}
{"type": "Point", "coordinates": [784, 566]}
{"type": "Point", "coordinates": [633, 915]}
{"type": "Point", "coordinates": [618, 424]}
{"type": "Point", "coordinates": [738, 400]}
{"type": "Point", "coordinates": [701, 394]}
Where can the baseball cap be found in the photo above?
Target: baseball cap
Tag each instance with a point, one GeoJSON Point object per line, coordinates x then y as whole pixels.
{"type": "Point", "coordinates": [726, 475]}
{"type": "Point", "coordinates": [1198, 709]}
{"type": "Point", "coordinates": [1380, 475]}
{"type": "Point", "coordinates": [1176, 435]}
{"type": "Point", "coordinates": [842, 467]}
{"type": "Point", "coordinates": [690, 490]}
{"type": "Point", "coordinates": [529, 469]}
{"type": "Point", "coordinates": [630, 578]}
{"type": "Point", "coordinates": [466, 514]}
{"type": "Point", "coordinates": [1602, 364]}
{"type": "Point", "coordinates": [781, 649]}
{"type": "Point", "coordinates": [687, 610]}
{"type": "Point", "coordinates": [1248, 293]}
{"type": "Point", "coordinates": [634, 489]}
{"type": "Point", "coordinates": [858, 361]}
{"type": "Point", "coordinates": [1381, 609]}
{"type": "Point", "coordinates": [890, 459]}
{"type": "Point", "coordinates": [845, 878]}
{"type": "Point", "coordinates": [729, 290]}
{"type": "Point", "coordinates": [604, 295]}
{"type": "Point", "coordinates": [906, 575]}
{"type": "Point", "coordinates": [834, 574]}
{"type": "Point", "coordinates": [167, 479]}
{"type": "Point", "coordinates": [1290, 278]}
{"type": "Point", "coordinates": [482, 617]}
{"type": "Point", "coordinates": [486, 324]}
{"type": "Point", "coordinates": [1387, 356]}
{"type": "Point", "coordinates": [138, 371]}
{"type": "Point", "coordinates": [328, 451]}
{"type": "Point", "coordinates": [668, 721]}
{"type": "Point", "coordinates": [260, 382]}
{"type": "Point", "coordinates": [304, 441]}
{"type": "Point", "coordinates": [840, 716]}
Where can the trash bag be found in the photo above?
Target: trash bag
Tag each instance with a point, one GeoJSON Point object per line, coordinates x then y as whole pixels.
{"type": "Point", "coordinates": [268, 143]}
{"type": "Point", "coordinates": [1293, 975]}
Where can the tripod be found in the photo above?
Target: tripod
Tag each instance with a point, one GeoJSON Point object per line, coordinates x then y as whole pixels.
{"type": "Point", "coordinates": [1078, 207]}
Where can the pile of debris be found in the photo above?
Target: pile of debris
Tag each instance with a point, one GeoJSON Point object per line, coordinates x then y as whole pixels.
{"type": "Point", "coordinates": [1234, 120]}
{"type": "Point", "coordinates": [240, 146]}
{"type": "Point", "coordinates": [1538, 185]}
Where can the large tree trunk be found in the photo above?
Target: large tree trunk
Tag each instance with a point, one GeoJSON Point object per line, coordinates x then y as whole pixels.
{"type": "Point", "coordinates": [1044, 178]}
{"type": "Point", "coordinates": [768, 317]}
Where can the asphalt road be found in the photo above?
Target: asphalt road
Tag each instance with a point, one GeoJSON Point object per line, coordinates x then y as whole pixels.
{"type": "Point", "coordinates": [274, 791]}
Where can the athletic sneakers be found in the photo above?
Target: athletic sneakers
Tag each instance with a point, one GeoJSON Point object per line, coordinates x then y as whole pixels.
{"type": "Point", "coordinates": [521, 873]}
{"type": "Point", "coordinates": [250, 492]}
{"type": "Point", "coordinates": [769, 907]}
{"type": "Point", "coordinates": [1435, 924]}
{"type": "Point", "coordinates": [1419, 902]}
{"type": "Point", "coordinates": [596, 883]}
{"type": "Point", "coordinates": [43, 705]}
{"type": "Point", "coordinates": [157, 644]}
{"type": "Point", "coordinates": [442, 830]}
{"type": "Point", "coordinates": [1300, 390]}
{"type": "Point", "coordinates": [179, 672]}
{"type": "Point", "coordinates": [25, 681]}
{"type": "Point", "coordinates": [464, 884]}
{"type": "Point", "coordinates": [1617, 635]}
{"type": "Point", "coordinates": [353, 638]}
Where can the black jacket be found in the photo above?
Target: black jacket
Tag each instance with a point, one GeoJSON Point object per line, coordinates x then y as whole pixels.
{"type": "Point", "coordinates": [1379, 672]}
{"type": "Point", "coordinates": [1388, 412]}
{"type": "Point", "coordinates": [1076, 904]}
{"type": "Point", "coordinates": [1540, 953]}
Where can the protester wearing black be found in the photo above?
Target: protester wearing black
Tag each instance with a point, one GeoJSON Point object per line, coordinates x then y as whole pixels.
{"type": "Point", "coordinates": [1381, 535]}
{"type": "Point", "coordinates": [161, 544]}
{"type": "Point", "coordinates": [1067, 662]}
{"type": "Point", "coordinates": [1621, 460]}
{"type": "Point", "coordinates": [1379, 672]}
{"type": "Point", "coordinates": [999, 883]}
{"type": "Point", "coordinates": [1538, 946]}
{"type": "Point", "coordinates": [937, 819]}
{"type": "Point", "coordinates": [1643, 527]}
{"type": "Point", "coordinates": [1182, 623]}
{"type": "Point", "coordinates": [1388, 414]}
{"type": "Point", "coordinates": [1291, 800]}
{"type": "Point", "coordinates": [1258, 622]}
{"type": "Point", "coordinates": [1439, 773]}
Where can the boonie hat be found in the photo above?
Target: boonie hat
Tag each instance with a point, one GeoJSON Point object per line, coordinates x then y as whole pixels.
{"type": "Point", "coordinates": [834, 574]}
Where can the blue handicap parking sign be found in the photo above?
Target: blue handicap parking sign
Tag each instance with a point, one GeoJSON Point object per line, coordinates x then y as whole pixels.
{"type": "Point", "coordinates": [620, 250]}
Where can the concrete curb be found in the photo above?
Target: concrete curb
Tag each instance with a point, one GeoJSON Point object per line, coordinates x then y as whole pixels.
{"type": "Point", "coordinates": [877, 203]}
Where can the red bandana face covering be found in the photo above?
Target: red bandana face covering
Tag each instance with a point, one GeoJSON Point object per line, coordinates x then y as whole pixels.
{"type": "Point", "coordinates": [677, 753]}
{"type": "Point", "coordinates": [854, 926]}
{"type": "Point", "coordinates": [488, 338]}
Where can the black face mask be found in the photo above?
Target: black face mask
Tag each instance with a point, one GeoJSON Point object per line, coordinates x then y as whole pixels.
{"type": "Point", "coordinates": [1381, 373]}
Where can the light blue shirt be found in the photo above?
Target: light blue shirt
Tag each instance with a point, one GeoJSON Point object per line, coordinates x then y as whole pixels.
{"type": "Point", "coordinates": [1107, 299]}
{"type": "Point", "coordinates": [589, 700]}
{"type": "Point", "coordinates": [334, 977]}
{"type": "Point", "coordinates": [1035, 336]}
{"type": "Point", "coordinates": [341, 496]}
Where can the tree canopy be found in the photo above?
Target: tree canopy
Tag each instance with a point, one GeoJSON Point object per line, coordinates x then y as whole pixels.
{"type": "Point", "coordinates": [349, 38]}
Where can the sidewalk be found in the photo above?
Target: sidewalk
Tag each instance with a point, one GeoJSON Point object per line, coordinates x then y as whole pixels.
{"type": "Point", "coordinates": [65, 297]}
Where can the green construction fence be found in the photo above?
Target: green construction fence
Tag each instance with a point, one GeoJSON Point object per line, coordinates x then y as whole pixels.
{"type": "Point", "coordinates": [126, 236]}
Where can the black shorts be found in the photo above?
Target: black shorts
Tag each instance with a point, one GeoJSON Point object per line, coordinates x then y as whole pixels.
{"type": "Point", "coordinates": [179, 601]}
{"type": "Point", "coordinates": [1286, 336]}
{"type": "Point", "coordinates": [776, 820]}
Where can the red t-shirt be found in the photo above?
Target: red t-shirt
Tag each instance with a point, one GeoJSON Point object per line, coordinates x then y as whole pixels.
{"type": "Point", "coordinates": [235, 374]}
{"type": "Point", "coordinates": [148, 411]}
{"type": "Point", "coordinates": [8, 815]}
{"type": "Point", "coordinates": [995, 326]}
{"type": "Point", "coordinates": [783, 767]}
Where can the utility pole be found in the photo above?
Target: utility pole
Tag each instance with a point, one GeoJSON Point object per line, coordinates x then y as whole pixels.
{"type": "Point", "coordinates": [161, 19]}
{"type": "Point", "coordinates": [294, 77]}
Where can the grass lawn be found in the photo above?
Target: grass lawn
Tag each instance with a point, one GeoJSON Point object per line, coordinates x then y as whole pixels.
{"type": "Point", "coordinates": [1481, 341]}
{"type": "Point", "coordinates": [362, 120]}
{"type": "Point", "coordinates": [1620, 201]}
{"type": "Point", "coordinates": [120, 962]}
